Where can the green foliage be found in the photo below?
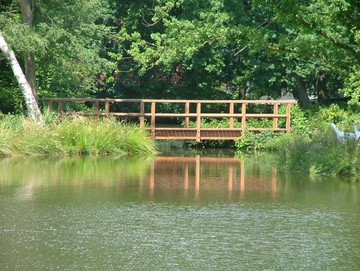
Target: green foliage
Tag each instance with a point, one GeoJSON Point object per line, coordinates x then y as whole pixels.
{"type": "Point", "coordinates": [352, 88]}
{"type": "Point", "coordinates": [77, 136]}
{"type": "Point", "coordinates": [299, 122]}
{"type": "Point", "coordinates": [21, 38]}
{"type": "Point", "coordinates": [11, 99]}
{"type": "Point", "coordinates": [188, 49]}
{"type": "Point", "coordinates": [69, 41]}
{"type": "Point", "coordinates": [257, 142]}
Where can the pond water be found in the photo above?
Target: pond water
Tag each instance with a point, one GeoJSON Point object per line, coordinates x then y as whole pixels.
{"type": "Point", "coordinates": [188, 212]}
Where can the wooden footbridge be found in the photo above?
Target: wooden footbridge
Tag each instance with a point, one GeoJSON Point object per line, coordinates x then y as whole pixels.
{"type": "Point", "coordinates": [190, 115]}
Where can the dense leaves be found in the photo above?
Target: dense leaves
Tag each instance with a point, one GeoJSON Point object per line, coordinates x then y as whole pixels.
{"type": "Point", "coordinates": [187, 49]}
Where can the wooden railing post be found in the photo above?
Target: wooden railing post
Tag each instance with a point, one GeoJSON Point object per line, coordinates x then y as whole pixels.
{"type": "Point", "coordinates": [243, 118]}
{"type": "Point", "coordinates": [97, 108]}
{"type": "Point", "coordinates": [198, 121]}
{"type": "Point", "coordinates": [231, 111]}
{"type": "Point", "coordinates": [60, 107]}
{"type": "Point", "coordinates": [275, 120]}
{"type": "Point", "coordinates": [187, 111]}
{"type": "Point", "coordinates": [288, 110]}
{"type": "Point", "coordinates": [107, 108]}
{"type": "Point", "coordinates": [142, 111]}
{"type": "Point", "coordinates": [51, 105]}
{"type": "Point", "coordinates": [153, 108]}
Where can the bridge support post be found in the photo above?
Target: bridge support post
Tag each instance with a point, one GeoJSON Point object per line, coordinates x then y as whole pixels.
{"type": "Point", "coordinates": [187, 111]}
{"type": "Point", "coordinates": [97, 108]}
{"type": "Point", "coordinates": [142, 111]}
{"type": "Point", "coordinates": [275, 121]}
{"type": "Point", "coordinates": [198, 122]}
{"type": "Point", "coordinates": [288, 110]}
{"type": "Point", "coordinates": [60, 106]}
{"type": "Point", "coordinates": [231, 119]}
{"type": "Point", "coordinates": [107, 108]}
{"type": "Point", "coordinates": [243, 118]}
{"type": "Point", "coordinates": [51, 105]}
{"type": "Point", "coordinates": [153, 108]}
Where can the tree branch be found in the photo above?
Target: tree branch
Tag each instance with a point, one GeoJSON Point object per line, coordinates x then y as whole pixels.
{"type": "Point", "coordinates": [326, 35]}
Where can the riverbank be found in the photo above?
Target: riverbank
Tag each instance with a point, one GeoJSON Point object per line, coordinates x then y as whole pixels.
{"type": "Point", "coordinates": [72, 137]}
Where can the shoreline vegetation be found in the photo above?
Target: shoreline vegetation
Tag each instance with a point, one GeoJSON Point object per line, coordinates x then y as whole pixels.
{"type": "Point", "coordinates": [311, 148]}
{"type": "Point", "coordinates": [77, 136]}
{"type": "Point", "coordinates": [320, 154]}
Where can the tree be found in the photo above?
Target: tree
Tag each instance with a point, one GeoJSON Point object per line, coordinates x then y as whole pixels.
{"type": "Point", "coordinates": [198, 49]}
{"type": "Point", "coordinates": [31, 104]}
{"type": "Point", "coordinates": [240, 48]}
{"type": "Point", "coordinates": [324, 35]}
{"type": "Point", "coordinates": [30, 66]}
{"type": "Point", "coordinates": [63, 43]}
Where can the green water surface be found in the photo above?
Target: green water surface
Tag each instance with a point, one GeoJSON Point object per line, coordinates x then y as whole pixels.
{"type": "Point", "coordinates": [173, 213]}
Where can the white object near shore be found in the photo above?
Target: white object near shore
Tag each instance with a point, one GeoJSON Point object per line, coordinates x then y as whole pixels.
{"type": "Point", "coordinates": [344, 136]}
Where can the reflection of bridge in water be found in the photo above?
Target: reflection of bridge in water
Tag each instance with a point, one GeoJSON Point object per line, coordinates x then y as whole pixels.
{"type": "Point", "coordinates": [160, 178]}
{"type": "Point", "coordinates": [197, 174]}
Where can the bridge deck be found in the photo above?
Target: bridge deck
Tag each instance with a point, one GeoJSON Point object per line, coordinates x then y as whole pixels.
{"type": "Point", "coordinates": [150, 111]}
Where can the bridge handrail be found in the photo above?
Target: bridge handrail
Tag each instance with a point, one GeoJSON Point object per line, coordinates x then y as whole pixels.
{"type": "Point", "coordinates": [168, 101]}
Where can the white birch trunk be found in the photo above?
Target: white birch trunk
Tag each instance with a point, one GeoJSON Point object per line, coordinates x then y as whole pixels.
{"type": "Point", "coordinates": [30, 101]}
{"type": "Point", "coordinates": [29, 60]}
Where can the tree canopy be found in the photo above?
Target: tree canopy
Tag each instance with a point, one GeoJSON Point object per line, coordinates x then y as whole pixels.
{"type": "Point", "coordinates": [185, 49]}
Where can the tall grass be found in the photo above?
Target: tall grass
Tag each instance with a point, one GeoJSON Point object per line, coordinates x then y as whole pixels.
{"type": "Point", "coordinates": [321, 154]}
{"type": "Point", "coordinates": [76, 136]}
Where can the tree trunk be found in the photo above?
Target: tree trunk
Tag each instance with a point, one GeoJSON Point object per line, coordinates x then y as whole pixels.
{"type": "Point", "coordinates": [242, 93]}
{"type": "Point", "coordinates": [30, 101]}
{"type": "Point", "coordinates": [300, 93]}
{"type": "Point", "coordinates": [30, 67]}
{"type": "Point", "coordinates": [321, 89]}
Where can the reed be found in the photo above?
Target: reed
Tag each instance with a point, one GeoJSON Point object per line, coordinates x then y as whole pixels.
{"type": "Point", "coordinates": [321, 154]}
{"type": "Point", "coordinates": [72, 136]}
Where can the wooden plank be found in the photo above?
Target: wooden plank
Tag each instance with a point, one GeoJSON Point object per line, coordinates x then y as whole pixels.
{"type": "Point", "coordinates": [175, 115]}
{"type": "Point", "coordinates": [171, 101]}
{"type": "Point", "coordinates": [265, 116]}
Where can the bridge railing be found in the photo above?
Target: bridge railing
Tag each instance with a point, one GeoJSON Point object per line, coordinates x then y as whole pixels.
{"type": "Point", "coordinates": [189, 110]}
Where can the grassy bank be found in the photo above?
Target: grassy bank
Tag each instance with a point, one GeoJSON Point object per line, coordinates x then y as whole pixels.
{"type": "Point", "coordinates": [320, 154]}
{"type": "Point", "coordinates": [70, 137]}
